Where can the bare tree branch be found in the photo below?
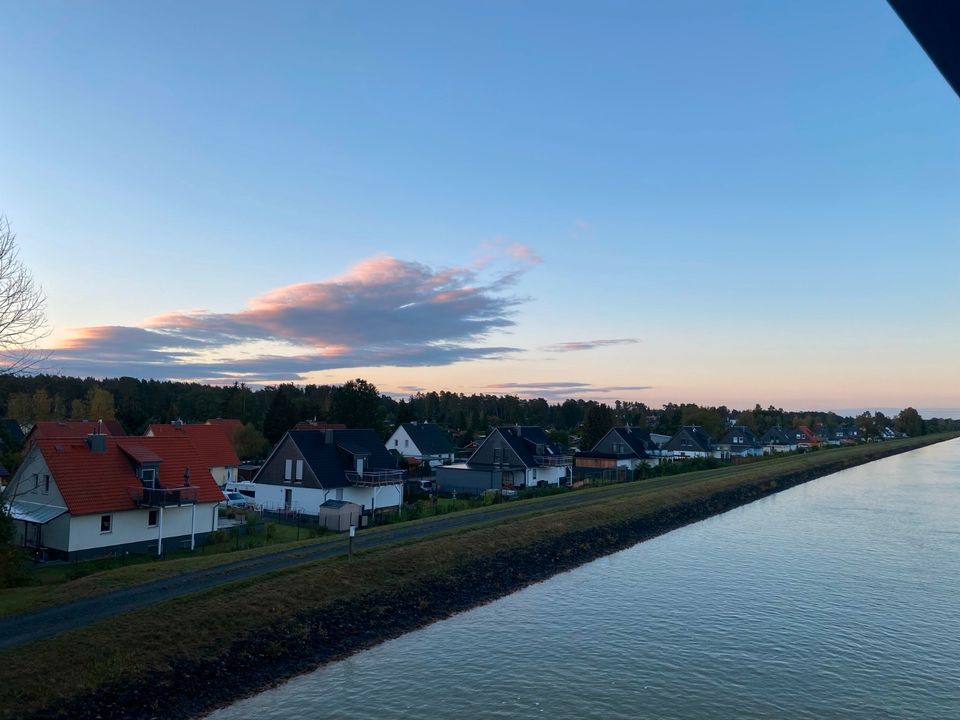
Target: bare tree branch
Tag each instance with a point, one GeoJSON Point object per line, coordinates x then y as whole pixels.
{"type": "Point", "coordinates": [23, 317]}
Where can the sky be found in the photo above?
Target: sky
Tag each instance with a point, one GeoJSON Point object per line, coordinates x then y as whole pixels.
{"type": "Point", "coordinates": [722, 203]}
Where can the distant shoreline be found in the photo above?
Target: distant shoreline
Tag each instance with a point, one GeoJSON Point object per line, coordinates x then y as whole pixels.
{"type": "Point", "coordinates": [400, 589]}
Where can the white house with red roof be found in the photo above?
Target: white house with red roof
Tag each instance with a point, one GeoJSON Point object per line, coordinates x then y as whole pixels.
{"type": "Point", "coordinates": [76, 498]}
{"type": "Point", "coordinates": [213, 441]}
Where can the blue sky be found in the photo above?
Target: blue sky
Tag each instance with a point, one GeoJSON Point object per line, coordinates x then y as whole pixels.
{"type": "Point", "coordinates": [744, 202]}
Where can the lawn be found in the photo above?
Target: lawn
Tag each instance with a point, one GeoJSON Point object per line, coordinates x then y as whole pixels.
{"type": "Point", "coordinates": [132, 646]}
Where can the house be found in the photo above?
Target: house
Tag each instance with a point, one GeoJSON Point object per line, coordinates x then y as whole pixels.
{"type": "Point", "coordinates": [76, 498]}
{"type": "Point", "coordinates": [73, 429]}
{"type": "Point", "coordinates": [11, 433]}
{"type": "Point", "coordinates": [213, 442]}
{"type": "Point", "coordinates": [690, 441]}
{"type": "Point", "coordinates": [309, 467]}
{"type": "Point", "coordinates": [509, 458]}
{"type": "Point", "coordinates": [778, 440]}
{"type": "Point", "coordinates": [738, 441]}
{"type": "Point", "coordinates": [804, 437]}
{"type": "Point", "coordinates": [622, 447]}
{"type": "Point", "coordinates": [424, 441]}
{"type": "Point", "coordinates": [315, 425]}
{"type": "Point", "coordinates": [843, 435]}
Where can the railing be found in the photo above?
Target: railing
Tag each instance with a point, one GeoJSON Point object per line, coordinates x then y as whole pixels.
{"type": "Point", "coordinates": [373, 478]}
{"type": "Point", "coordinates": [163, 497]}
{"type": "Point", "coordinates": [553, 460]}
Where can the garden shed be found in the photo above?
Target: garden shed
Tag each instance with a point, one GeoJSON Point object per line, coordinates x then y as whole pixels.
{"type": "Point", "coordinates": [339, 515]}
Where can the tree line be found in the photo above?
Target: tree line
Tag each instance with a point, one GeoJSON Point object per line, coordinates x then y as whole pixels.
{"type": "Point", "coordinates": [272, 410]}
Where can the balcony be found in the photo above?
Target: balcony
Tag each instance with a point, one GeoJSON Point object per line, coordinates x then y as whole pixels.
{"type": "Point", "coordinates": [553, 460]}
{"type": "Point", "coordinates": [375, 478]}
{"type": "Point", "coordinates": [163, 497]}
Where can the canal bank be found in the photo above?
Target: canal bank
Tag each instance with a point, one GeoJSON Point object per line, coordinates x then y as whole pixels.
{"type": "Point", "coordinates": [382, 595]}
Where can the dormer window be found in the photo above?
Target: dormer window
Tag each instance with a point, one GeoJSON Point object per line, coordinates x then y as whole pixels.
{"type": "Point", "coordinates": [148, 476]}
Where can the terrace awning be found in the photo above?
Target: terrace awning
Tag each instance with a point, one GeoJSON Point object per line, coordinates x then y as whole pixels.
{"type": "Point", "coordinates": [32, 512]}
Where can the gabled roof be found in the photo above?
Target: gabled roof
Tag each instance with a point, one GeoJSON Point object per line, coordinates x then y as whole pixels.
{"type": "Point", "coordinates": [525, 440]}
{"type": "Point", "coordinates": [99, 482]}
{"type": "Point", "coordinates": [332, 453]}
{"type": "Point", "coordinates": [314, 425]}
{"type": "Point", "coordinates": [696, 436]}
{"type": "Point", "coordinates": [429, 438]}
{"type": "Point", "coordinates": [749, 438]}
{"type": "Point", "coordinates": [210, 440]}
{"type": "Point", "coordinates": [778, 436]}
{"type": "Point", "coordinates": [228, 425]}
{"type": "Point", "coordinates": [636, 439]}
{"type": "Point", "coordinates": [74, 429]}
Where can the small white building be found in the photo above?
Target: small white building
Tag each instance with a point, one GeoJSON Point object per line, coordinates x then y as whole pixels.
{"type": "Point", "coordinates": [424, 441]}
{"type": "Point", "coordinates": [309, 467]}
{"type": "Point", "coordinates": [78, 498]}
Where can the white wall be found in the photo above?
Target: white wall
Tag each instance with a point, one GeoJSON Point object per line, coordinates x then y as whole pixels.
{"type": "Point", "coordinates": [28, 483]}
{"type": "Point", "coordinates": [550, 475]}
{"type": "Point", "coordinates": [130, 526]}
{"type": "Point", "coordinates": [309, 500]}
{"type": "Point", "coordinates": [224, 474]}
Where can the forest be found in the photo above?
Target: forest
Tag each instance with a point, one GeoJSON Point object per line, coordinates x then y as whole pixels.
{"type": "Point", "coordinates": [271, 410]}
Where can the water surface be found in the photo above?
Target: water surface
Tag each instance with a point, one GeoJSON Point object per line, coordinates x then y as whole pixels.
{"type": "Point", "coordinates": [837, 599]}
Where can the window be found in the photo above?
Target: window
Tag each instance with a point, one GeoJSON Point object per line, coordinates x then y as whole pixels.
{"type": "Point", "coordinates": [406, 443]}
{"type": "Point", "coordinates": [288, 469]}
{"type": "Point", "coordinates": [299, 469]}
{"type": "Point", "coordinates": [148, 475]}
{"type": "Point", "coordinates": [152, 518]}
{"type": "Point", "coordinates": [106, 524]}
{"type": "Point", "coordinates": [46, 485]}
{"type": "Point", "coordinates": [396, 442]}
{"type": "Point", "coordinates": [534, 473]}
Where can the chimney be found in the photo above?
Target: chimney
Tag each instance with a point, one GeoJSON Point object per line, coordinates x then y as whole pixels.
{"type": "Point", "coordinates": [97, 442]}
{"type": "Point", "coordinates": [177, 423]}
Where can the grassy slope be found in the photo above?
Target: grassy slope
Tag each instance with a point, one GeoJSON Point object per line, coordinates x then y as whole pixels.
{"type": "Point", "coordinates": [200, 625]}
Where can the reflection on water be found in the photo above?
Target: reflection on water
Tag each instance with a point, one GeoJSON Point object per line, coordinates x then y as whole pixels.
{"type": "Point", "coordinates": [836, 599]}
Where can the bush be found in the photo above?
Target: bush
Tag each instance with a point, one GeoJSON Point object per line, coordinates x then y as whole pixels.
{"type": "Point", "coordinates": [270, 530]}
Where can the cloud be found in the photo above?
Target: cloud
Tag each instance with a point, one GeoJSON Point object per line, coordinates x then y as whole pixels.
{"type": "Point", "coordinates": [382, 311]}
{"type": "Point", "coordinates": [588, 344]}
{"type": "Point", "coordinates": [564, 390]}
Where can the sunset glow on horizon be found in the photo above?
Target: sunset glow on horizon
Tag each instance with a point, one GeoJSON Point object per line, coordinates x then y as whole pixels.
{"type": "Point", "coordinates": [678, 202]}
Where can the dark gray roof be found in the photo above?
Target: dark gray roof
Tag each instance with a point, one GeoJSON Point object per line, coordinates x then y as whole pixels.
{"type": "Point", "coordinates": [778, 436]}
{"type": "Point", "coordinates": [13, 430]}
{"type": "Point", "coordinates": [749, 439]}
{"type": "Point", "coordinates": [429, 438]}
{"type": "Point", "coordinates": [330, 453]}
{"type": "Point", "coordinates": [698, 439]}
{"type": "Point", "coordinates": [525, 439]}
{"type": "Point", "coordinates": [638, 440]}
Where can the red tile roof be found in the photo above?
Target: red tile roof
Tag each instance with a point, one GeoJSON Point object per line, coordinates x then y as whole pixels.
{"type": "Point", "coordinates": [97, 482]}
{"type": "Point", "coordinates": [228, 425]}
{"type": "Point", "coordinates": [210, 440]}
{"type": "Point", "coordinates": [73, 429]}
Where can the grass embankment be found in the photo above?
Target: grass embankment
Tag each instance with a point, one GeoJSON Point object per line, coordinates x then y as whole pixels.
{"type": "Point", "coordinates": [185, 655]}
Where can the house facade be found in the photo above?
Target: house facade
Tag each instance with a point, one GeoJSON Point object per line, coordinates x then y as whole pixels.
{"type": "Point", "coordinates": [690, 441]}
{"type": "Point", "coordinates": [778, 440]}
{"type": "Point", "coordinates": [77, 498]}
{"type": "Point", "coordinates": [622, 447]}
{"type": "Point", "coordinates": [738, 441]}
{"type": "Point", "coordinates": [509, 458]}
{"type": "Point", "coordinates": [423, 441]}
{"type": "Point", "coordinates": [309, 467]}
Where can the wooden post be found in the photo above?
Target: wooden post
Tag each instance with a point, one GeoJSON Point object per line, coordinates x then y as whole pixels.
{"type": "Point", "coordinates": [353, 531]}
